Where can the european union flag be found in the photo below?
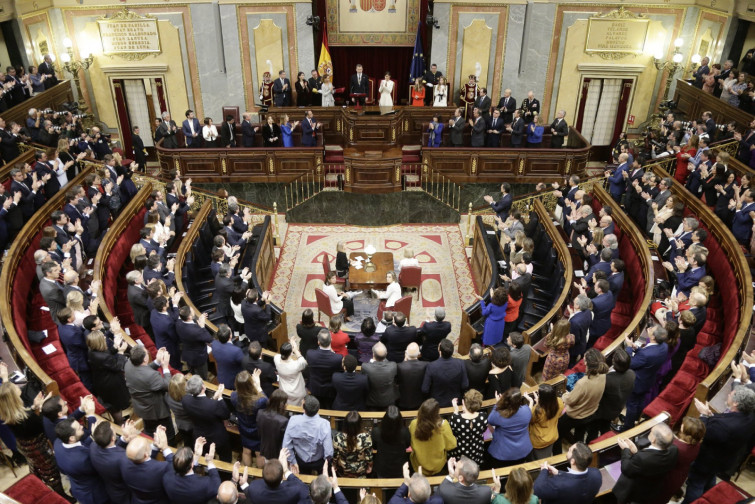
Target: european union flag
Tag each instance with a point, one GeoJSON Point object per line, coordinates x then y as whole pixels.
{"type": "Point", "coordinates": [418, 60]}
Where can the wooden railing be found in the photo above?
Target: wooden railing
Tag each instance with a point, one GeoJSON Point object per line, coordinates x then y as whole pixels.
{"type": "Point", "coordinates": [26, 157]}
{"type": "Point", "coordinates": [693, 102]}
{"type": "Point", "coordinates": [12, 263]}
{"type": "Point", "coordinates": [733, 252]}
{"type": "Point", "coordinates": [51, 98]}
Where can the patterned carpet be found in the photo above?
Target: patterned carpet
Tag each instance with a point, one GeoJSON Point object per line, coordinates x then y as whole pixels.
{"type": "Point", "coordinates": [439, 248]}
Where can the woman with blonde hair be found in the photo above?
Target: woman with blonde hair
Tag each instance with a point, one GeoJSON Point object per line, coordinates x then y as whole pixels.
{"type": "Point", "coordinates": [327, 92]}
{"type": "Point", "coordinates": [25, 422]}
{"type": "Point", "coordinates": [518, 490]}
{"type": "Point", "coordinates": [106, 366]}
{"type": "Point", "coordinates": [247, 400]}
{"type": "Point", "coordinates": [431, 437]}
{"type": "Point", "coordinates": [558, 341]}
{"type": "Point", "coordinates": [137, 249]}
{"type": "Point", "coordinates": [440, 93]}
{"type": "Point", "coordinates": [407, 260]}
{"type": "Point", "coordinates": [75, 301]}
{"type": "Point", "coordinates": [176, 392]}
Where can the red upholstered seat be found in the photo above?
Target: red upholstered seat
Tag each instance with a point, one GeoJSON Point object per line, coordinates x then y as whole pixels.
{"type": "Point", "coordinates": [623, 308]}
{"type": "Point", "coordinates": [694, 366]}
{"type": "Point", "coordinates": [32, 490]}
{"type": "Point", "coordinates": [712, 327]}
{"type": "Point", "coordinates": [707, 339]}
{"type": "Point", "coordinates": [723, 493]}
{"type": "Point", "coordinates": [607, 435]}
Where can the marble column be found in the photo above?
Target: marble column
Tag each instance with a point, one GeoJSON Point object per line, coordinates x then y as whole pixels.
{"type": "Point", "coordinates": [305, 40]}
{"type": "Point", "coordinates": [439, 55]}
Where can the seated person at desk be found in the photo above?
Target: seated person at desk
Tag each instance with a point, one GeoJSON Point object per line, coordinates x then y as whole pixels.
{"type": "Point", "coordinates": [392, 293]}
{"type": "Point", "coordinates": [271, 133]}
{"type": "Point", "coordinates": [338, 300]}
{"type": "Point", "coordinates": [435, 132]}
{"type": "Point", "coordinates": [287, 129]}
{"type": "Point", "coordinates": [408, 260]}
{"type": "Point", "coordinates": [342, 260]}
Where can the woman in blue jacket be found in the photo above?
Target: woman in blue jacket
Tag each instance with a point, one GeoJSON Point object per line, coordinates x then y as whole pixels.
{"type": "Point", "coordinates": [535, 133]}
{"type": "Point", "coordinates": [435, 132]}
{"type": "Point", "coordinates": [494, 314]}
{"type": "Point", "coordinates": [287, 128]}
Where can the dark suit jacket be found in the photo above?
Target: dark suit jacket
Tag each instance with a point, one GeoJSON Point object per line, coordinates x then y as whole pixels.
{"type": "Point", "coordinates": [477, 373]}
{"type": "Point", "coordinates": [444, 380]}
{"type": "Point", "coordinates": [290, 491]}
{"type": "Point", "coordinates": [351, 391]}
{"type": "Point", "coordinates": [194, 341]}
{"type": "Point", "coordinates": [73, 340]}
{"type": "Point", "coordinates": [494, 139]}
{"type": "Point", "coordinates": [227, 134]}
{"type": "Point", "coordinates": [52, 293]}
{"type": "Point", "coordinates": [192, 488]}
{"type": "Point", "coordinates": [145, 480]}
{"type": "Point", "coordinates": [646, 362]}
{"type": "Point", "coordinates": [478, 132]}
{"type": "Point", "coordinates": [256, 319]}
{"type": "Point", "coordinates": [9, 145]}
{"type": "Point", "coordinates": [457, 131]}
{"type": "Point", "coordinates": [308, 133]}
{"type": "Point", "coordinates": [502, 206]}
{"type": "Point", "coordinates": [164, 330]}
{"type": "Point", "coordinates": [107, 462]}
{"type": "Point", "coordinates": [725, 434]}
{"type": "Point", "coordinates": [507, 115]}
{"type": "Point", "coordinates": [562, 130]}
{"type": "Point", "coordinates": [166, 132]}
{"type": "Point", "coordinates": [402, 497]}
{"type": "Point", "coordinates": [223, 289]}
{"type": "Point", "coordinates": [137, 298]}
{"type": "Point", "coordinates": [615, 395]}
{"type": "Point", "coordinates": [359, 86]}
{"type": "Point", "coordinates": [642, 474]}
{"type": "Point", "coordinates": [228, 358]}
{"type": "Point", "coordinates": [281, 98]}
{"type": "Point", "coordinates": [382, 379]}
{"type": "Point", "coordinates": [74, 462]}
{"type": "Point", "coordinates": [602, 306]}
{"type": "Point", "coordinates": [207, 415]}
{"type": "Point", "coordinates": [432, 333]}
{"type": "Point", "coordinates": [186, 128]}
{"type": "Point", "coordinates": [568, 488]}
{"type": "Point", "coordinates": [456, 493]}
{"type": "Point", "coordinates": [247, 134]}
{"type": "Point", "coordinates": [322, 364]}
{"type": "Point", "coordinates": [396, 339]}
{"type": "Point", "coordinates": [517, 131]}
{"type": "Point", "coordinates": [410, 376]}
{"type": "Point", "coordinates": [268, 374]}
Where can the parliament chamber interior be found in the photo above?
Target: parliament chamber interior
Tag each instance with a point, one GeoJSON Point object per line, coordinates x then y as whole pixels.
{"type": "Point", "coordinates": [432, 251]}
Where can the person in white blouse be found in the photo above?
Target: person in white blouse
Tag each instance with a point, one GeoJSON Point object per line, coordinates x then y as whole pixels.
{"type": "Point", "coordinates": [386, 91]}
{"type": "Point", "coordinates": [440, 93]}
{"type": "Point", "coordinates": [289, 364]}
{"type": "Point", "coordinates": [326, 91]}
{"type": "Point", "coordinates": [338, 300]}
{"type": "Point", "coordinates": [75, 301]}
{"type": "Point", "coordinates": [392, 293]}
{"type": "Point", "coordinates": [60, 168]}
{"type": "Point", "coordinates": [210, 133]}
{"type": "Point", "coordinates": [407, 260]}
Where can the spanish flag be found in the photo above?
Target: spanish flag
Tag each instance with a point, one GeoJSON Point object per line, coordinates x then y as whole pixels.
{"type": "Point", "coordinates": [325, 66]}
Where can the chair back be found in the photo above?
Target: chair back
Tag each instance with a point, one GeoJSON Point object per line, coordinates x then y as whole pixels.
{"type": "Point", "coordinates": [370, 98]}
{"type": "Point", "coordinates": [404, 305]}
{"type": "Point", "coordinates": [325, 265]}
{"type": "Point", "coordinates": [410, 276]}
{"type": "Point", "coordinates": [323, 302]}
{"type": "Point", "coordinates": [394, 92]}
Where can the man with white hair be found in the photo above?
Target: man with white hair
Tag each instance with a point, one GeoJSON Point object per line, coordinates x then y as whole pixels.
{"type": "Point", "coordinates": [465, 490]}
{"type": "Point", "coordinates": [208, 415]}
{"type": "Point", "coordinates": [431, 332]}
{"type": "Point", "coordinates": [247, 130]}
{"type": "Point", "coordinates": [414, 490]}
{"type": "Point", "coordinates": [559, 130]}
{"type": "Point", "coordinates": [47, 68]}
{"type": "Point", "coordinates": [167, 131]}
{"type": "Point", "coordinates": [33, 123]}
{"type": "Point", "coordinates": [137, 298]}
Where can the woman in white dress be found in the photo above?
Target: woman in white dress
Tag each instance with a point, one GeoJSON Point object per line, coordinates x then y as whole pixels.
{"type": "Point", "coordinates": [440, 93]}
{"type": "Point", "coordinates": [210, 133]}
{"type": "Point", "coordinates": [386, 91]}
{"type": "Point", "coordinates": [289, 364]}
{"type": "Point", "coordinates": [392, 293]}
{"type": "Point", "coordinates": [60, 168]}
{"type": "Point", "coordinates": [327, 92]}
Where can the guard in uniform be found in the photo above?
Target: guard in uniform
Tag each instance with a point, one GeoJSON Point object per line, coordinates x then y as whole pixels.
{"type": "Point", "coordinates": [530, 108]}
{"type": "Point", "coordinates": [266, 90]}
{"type": "Point", "coordinates": [469, 95]}
{"type": "Point", "coordinates": [431, 79]}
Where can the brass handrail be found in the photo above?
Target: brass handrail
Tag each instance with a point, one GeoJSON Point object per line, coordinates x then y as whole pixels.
{"type": "Point", "coordinates": [440, 187]}
{"type": "Point", "coordinates": [304, 187]}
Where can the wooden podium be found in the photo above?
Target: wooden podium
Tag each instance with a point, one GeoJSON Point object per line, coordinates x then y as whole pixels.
{"type": "Point", "coordinates": [372, 171]}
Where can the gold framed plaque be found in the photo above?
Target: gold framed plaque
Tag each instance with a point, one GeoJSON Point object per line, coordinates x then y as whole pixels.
{"type": "Point", "coordinates": [129, 35]}
{"type": "Point", "coordinates": [617, 34]}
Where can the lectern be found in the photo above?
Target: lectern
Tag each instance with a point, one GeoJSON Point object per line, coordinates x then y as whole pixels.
{"type": "Point", "coordinates": [358, 98]}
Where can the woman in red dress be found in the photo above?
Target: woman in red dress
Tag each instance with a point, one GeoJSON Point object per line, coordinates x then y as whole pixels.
{"type": "Point", "coordinates": [418, 93]}
{"type": "Point", "coordinates": [688, 443]}
{"type": "Point", "coordinates": [686, 153]}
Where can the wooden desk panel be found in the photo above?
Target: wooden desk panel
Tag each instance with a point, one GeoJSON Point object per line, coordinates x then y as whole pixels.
{"type": "Point", "coordinates": [359, 279]}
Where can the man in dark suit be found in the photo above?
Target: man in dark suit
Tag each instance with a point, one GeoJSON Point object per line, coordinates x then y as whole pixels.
{"type": "Point", "coordinates": [142, 474]}
{"type": "Point", "coordinates": [162, 319]}
{"type": "Point", "coordinates": [74, 341]}
{"type": "Point", "coordinates": [616, 184]}
{"type": "Point", "coordinates": [465, 490]}
{"type": "Point", "coordinates": [410, 373]}
{"type": "Point", "coordinates": [247, 130]}
{"type": "Point", "coordinates": [381, 374]}
{"type": "Point", "coordinates": [646, 362]}
{"type": "Point", "coordinates": [359, 84]}
{"type": "Point", "coordinates": [432, 332]}
{"type": "Point", "coordinates": [31, 193]}
{"type": "Point", "coordinates": [224, 287]}
{"type": "Point", "coordinates": [604, 265]}
{"type": "Point", "coordinates": [228, 357]}
{"type": "Point", "coordinates": [446, 377]}
{"type": "Point", "coordinates": [9, 140]}
{"type": "Point", "coordinates": [147, 387]}
{"type": "Point", "coordinates": [494, 129]}
{"type": "Point", "coordinates": [579, 485]}
{"type": "Point", "coordinates": [107, 453]}
{"type": "Point", "coordinates": [309, 129]}
{"type": "Point", "coordinates": [516, 129]}
{"type": "Point", "coordinates": [47, 68]}
{"type": "Point", "coordinates": [323, 362]}
{"type": "Point", "coordinates": [257, 316]}
{"type": "Point", "coordinates": [559, 130]}
{"type": "Point", "coordinates": [351, 388]}
{"type": "Point", "coordinates": [643, 471]}
{"type": "Point", "coordinates": [52, 290]}
{"type": "Point", "coordinates": [483, 103]}
{"type": "Point", "coordinates": [478, 366]}
{"type": "Point", "coordinates": [72, 457]}
{"type": "Point", "coordinates": [507, 106]}
{"type": "Point", "coordinates": [479, 126]}
{"type": "Point", "coordinates": [457, 125]}
{"type": "Point", "coordinates": [415, 489]}
{"type": "Point", "coordinates": [147, 240]}
{"type": "Point", "coordinates": [167, 131]}
{"type": "Point", "coordinates": [634, 186]}
{"type": "Point", "coordinates": [619, 385]}
{"type": "Point", "coordinates": [431, 77]}
{"type": "Point", "coordinates": [315, 85]}
{"type": "Point", "coordinates": [277, 486]}
{"type": "Point", "coordinates": [397, 337]}
{"type": "Point", "coordinates": [182, 484]}
{"type": "Point", "coordinates": [192, 130]}
{"type": "Point", "coordinates": [616, 278]}
{"type": "Point", "coordinates": [194, 339]}
{"type": "Point", "coordinates": [137, 298]}
{"type": "Point", "coordinates": [530, 107]}
{"type": "Point", "coordinates": [254, 361]}
{"type": "Point", "coordinates": [208, 415]}
{"type": "Point", "coordinates": [282, 90]}
{"type": "Point", "coordinates": [140, 153]}
{"type": "Point", "coordinates": [701, 72]}
{"type": "Point", "coordinates": [503, 205]}
{"type": "Point", "coordinates": [602, 306]}
{"type": "Point", "coordinates": [725, 435]}
{"type": "Point", "coordinates": [741, 225]}
{"type": "Point", "coordinates": [228, 132]}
